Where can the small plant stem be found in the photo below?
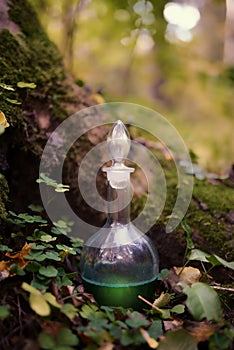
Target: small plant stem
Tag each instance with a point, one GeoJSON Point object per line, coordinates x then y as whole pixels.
{"type": "Point", "coordinates": [185, 264]}
{"type": "Point", "coordinates": [152, 305]}
{"type": "Point", "coordinates": [223, 288]}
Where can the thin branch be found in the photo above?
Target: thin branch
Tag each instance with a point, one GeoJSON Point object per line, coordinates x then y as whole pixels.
{"type": "Point", "coordinates": [152, 305]}
{"type": "Point", "coordinates": [223, 288]}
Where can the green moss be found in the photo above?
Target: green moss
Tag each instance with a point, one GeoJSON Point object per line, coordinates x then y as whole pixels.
{"type": "Point", "coordinates": [206, 215]}
{"type": "Point", "coordinates": [3, 196]}
{"type": "Point", "coordinates": [29, 57]}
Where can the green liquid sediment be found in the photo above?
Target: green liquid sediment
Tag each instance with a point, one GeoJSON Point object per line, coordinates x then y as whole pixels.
{"type": "Point", "coordinates": [120, 295]}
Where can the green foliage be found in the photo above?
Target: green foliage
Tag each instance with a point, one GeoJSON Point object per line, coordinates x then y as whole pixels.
{"type": "Point", "coordinates": [4, 312]}
{"type": "Point", "coordinates": [52, 183]}
{"type": "Point", "coordinates": [65, 340]}
{"type": "Point", "coordinates": [213, 259]}
{"type": "Point", "coordinates": [178, 340]}
{"type": "Point", "coordinates": [203, 302]}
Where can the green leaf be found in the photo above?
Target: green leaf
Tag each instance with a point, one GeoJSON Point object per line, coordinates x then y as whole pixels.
{"type": "Point", "coordinates": [4, 312]}
{"type": "Point", "coordinates": [52, 300]}
{"type": "Point", "coordinates": [163, 274]}
{"type": "Point", "coordinates": [6, 87]}
{"type": "Point", "coordinates": [128, 337]}
{"type": "Point", "coordinates": [69, 310]}
{"type": "Point", "coordinates": [197, 254]}
{"type": "Point", "coordinates": [53, 256]}
{"type": "Point", "coordinates": [87, 310]}
{"type": "Point", "coordinates": [203, 302]}
{"type": "Point", "coordinates": [215, 260]}
{"type": "Point", "coordinates": [39, 304]}
{"type": "Point", "coordinates": [16, 269]}
{"type": "Point", "coordinates": [66, 337]}
{"type": "Point", "coordinates": [178, 340]}
{"type": "Point", "coordinates": [136, 320]}
{"type": "Point", "coordinates": [47, 238]}
{"type": "Point", "coordinates": [48, 271]}
{"type": "Point", "coordinates": [66, 249]}
{"type": "Point", "coordinates": [109, 312]}
{"type": "Point", "coordinates": [36, 208]}
{"type": "Point", "coordinates": [46, 341]}
{"type": "Point", "coordinates": [33, 266]}
{"type": "Point", "coordinates": [5, 248]}
{"type": "Point", "coordinates": [14, 102]}
{"type": "Point", "coordinates": [188, 232]}
{"type": "Point", "coordinates": [155, 330]}
{"type": "Point", "coordinates": [29, 288]}
{"type": "Point", "coordinates": [179, 309]}
{"type": "Point", "coordinates": [22, 85]}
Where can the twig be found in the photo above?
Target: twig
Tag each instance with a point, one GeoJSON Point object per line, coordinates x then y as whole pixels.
{"type": "Point", "coordinates": [223, 288]}
{"type": "Point", "coordinates": [152, 305]}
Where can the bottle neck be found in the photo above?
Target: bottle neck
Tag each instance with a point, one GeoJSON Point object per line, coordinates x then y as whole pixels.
{"type": "Point", "coordinates": [119, 204]}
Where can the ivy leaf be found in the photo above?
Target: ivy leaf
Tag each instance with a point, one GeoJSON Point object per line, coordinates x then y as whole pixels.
{"type": "Point", "coordinates": [215, 260]}
{"type": "Point", "coordinates": [22, 85]}
{"type": "Point", "coordinates": [202, 301]}
{"type": "Point", "coordinates": [39, 304]}
{"type": "Point", "coordinates": [178, 340]}
{"type": "Point", "coordinates": [199, 255]}
{"type": "Point", "coordinates": [48, 271]}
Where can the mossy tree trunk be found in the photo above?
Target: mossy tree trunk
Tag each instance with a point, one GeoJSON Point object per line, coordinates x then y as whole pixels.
{"type": "Point", "coordinates": [34, 110]}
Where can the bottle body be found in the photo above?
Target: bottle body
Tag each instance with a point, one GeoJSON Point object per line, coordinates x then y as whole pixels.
{"type": "Point", "coordinates": [118, 264]}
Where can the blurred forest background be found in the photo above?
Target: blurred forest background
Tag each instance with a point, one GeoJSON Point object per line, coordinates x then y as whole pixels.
{"type": "Point", "coordinates": [174, 57]}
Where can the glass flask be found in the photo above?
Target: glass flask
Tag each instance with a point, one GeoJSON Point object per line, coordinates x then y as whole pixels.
{"type": "Point", "coordinates": [119, 262]}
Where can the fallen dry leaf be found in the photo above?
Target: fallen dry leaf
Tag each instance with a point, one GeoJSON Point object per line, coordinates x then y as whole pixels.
{"type": "Point", "coordinates": [106, 346]}
{"type": "Point", "coordinates": [22, 262]}
{"type": "Point", "coordinates": [3, 120]}
{"type": "Point", "coordinates": [162, 300]}
{"type": "Point", "coordinates": [201, 331]}
{"type": "Point", "coordinates": [189, 274]}
{"type": "Point", "coordinates": [173, 325]}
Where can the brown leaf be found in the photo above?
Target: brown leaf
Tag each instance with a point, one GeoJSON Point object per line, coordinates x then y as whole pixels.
{"type": "Point", "coordinates": [162, 300]}
{"type": "Point", "coordinates": [173, 325]}
{"type": "Point", "coordinates": [201, 331]}
{"type": "Point", "coordinates": [189, 274]}
{"type": "Point", "coordinates": [106, 346]}
{"type": "Point", "coordinates": [22, 262]}
{"type": "Point", "coordinates": [3, 120]}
